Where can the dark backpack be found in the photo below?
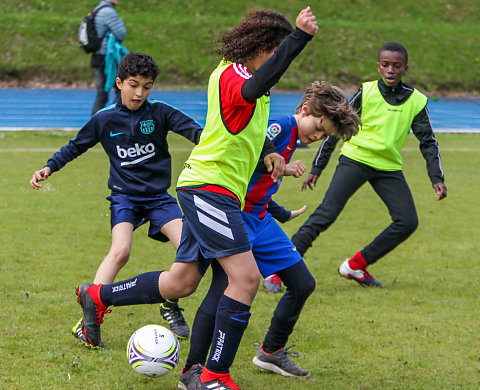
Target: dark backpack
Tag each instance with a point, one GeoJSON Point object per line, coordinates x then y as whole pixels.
{"type": "Point", "coordinates": [87, 33]}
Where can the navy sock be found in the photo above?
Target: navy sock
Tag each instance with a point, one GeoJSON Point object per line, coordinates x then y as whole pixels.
{"type": "Point", "coordinates": [135, 291]}
{"type": "Point", "coordinates": [204, 322]}
{"type": "Point", "coordinates": [202, 332]}
{"type": "Point", "coordinates": [230, 323]}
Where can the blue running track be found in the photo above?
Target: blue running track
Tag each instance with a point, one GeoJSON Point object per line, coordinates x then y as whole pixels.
{"type": "Point", "coordinates": [69, 109]}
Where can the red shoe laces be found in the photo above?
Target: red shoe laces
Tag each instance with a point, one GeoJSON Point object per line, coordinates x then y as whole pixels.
{"type": "Point", "coordinates": [101, 313]}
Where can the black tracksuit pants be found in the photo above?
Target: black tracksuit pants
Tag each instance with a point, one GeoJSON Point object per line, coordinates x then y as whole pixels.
{"type": "Point", "coordinates": [349, 176]}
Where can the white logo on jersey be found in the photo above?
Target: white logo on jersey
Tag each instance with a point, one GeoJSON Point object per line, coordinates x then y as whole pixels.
{"type": "Point", "coordinates": [142, 151]}
{"type": "Point", "coordinates": [242, 71]}
{"type": "Point", "coordinates": [273, 130]}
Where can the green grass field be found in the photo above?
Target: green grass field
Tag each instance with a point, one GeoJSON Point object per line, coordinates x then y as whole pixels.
{"type": "Point", "coordinates": [420, 332]}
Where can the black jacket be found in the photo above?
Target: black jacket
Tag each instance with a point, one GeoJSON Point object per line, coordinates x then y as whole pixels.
{"type": "Point", "coordinates": [136, 145]}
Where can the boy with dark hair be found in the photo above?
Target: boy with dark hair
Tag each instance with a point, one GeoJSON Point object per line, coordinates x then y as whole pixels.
{"type": "Point", "coordinates": [134, 136]}
{"type": "Point", "coordinates": [324, 111]}
{"type": "Point", "coordinates": [388, 109]}
{"type": "Point", "coordinates": [211, 189]}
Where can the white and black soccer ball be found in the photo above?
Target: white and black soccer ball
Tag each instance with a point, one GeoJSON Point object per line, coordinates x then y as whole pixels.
{"type": "Point", "coordinates": [153, 350]}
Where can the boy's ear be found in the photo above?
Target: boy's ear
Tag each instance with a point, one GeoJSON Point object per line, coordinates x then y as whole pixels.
{"type": "Point", "coordinates": [119, 83]}
{"type": "Point", "coordinates": [305, 108]}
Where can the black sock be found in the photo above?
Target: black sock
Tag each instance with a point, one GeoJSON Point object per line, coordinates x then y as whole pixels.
{"type": "Point", "coordinates": [135, 291]}
{"type": "Point", "coordinates": [230, 323]}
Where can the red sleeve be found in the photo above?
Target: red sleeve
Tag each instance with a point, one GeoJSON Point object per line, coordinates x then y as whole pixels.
{"type": "Point", "coordinates": [236, 111]}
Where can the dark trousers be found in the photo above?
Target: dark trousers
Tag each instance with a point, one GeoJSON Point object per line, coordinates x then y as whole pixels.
{"type": "Point", "coordinates": [349, 176]}
{"type": "Point", "coordinates": [300, 284]}
{"type": "Point", "coordinates": [98, 65]}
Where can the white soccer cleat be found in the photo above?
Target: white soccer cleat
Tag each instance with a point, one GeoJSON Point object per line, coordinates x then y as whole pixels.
{"type": "Point", "coordinates": [362, 277]}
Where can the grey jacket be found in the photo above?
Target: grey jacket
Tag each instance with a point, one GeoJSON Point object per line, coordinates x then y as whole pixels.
{"type": "Point", "coordinates": [107, 20]}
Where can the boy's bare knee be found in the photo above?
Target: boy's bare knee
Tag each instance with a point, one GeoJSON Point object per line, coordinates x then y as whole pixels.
{"type": "Point", "coordinates": [119, 255]}
{"type": "Point", "coordinates": [249, 282]}
{"type": "Point", "coordinates": [180, 291]}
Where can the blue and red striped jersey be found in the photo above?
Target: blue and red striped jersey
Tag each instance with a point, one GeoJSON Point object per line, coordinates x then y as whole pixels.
{"type": "Point", "coordinates": [283, 132]}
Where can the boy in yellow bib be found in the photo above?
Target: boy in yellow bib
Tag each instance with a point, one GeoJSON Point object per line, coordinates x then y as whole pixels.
{"type": "Point", "coordinates": [388, 109]}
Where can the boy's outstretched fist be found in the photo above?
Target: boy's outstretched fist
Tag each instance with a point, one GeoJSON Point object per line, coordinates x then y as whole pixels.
{"type": "Point", "coordinates": [307, 21]}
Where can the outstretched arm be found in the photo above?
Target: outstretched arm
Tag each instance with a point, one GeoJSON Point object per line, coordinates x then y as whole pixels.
{"type": "Point", "coordinates": [296, 213]}
{"type": "Point", "coordinates": [281, 214]}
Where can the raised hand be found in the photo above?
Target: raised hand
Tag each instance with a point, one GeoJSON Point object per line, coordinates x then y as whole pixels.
{"type": "Point", "coordinates": [307, 21]}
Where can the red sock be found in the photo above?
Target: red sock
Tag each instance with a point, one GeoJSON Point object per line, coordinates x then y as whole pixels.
{"type": "Point", "coordinates": [94, 292]}
{"type": "Point", "coordinates": [357, 261]}
{"type": "Point", "coordinates": [208, 375]}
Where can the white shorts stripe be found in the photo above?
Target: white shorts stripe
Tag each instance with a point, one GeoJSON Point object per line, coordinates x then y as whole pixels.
{"type": "Point", "coordinates": [214, 225]}
{"type": "Point", "coordinates": [207, 208]}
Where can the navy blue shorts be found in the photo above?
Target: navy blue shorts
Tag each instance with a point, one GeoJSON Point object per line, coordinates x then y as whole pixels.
{"type": "Point", "coordinates": [212, 227]}
{"type": "Point", "coordinates": [137, 210]}
{"type": "Point", "coordinates": [271, 246]}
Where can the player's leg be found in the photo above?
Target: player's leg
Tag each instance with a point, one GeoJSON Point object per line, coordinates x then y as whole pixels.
{"type": "Point", "coordinates": [100, 78]}
{"type": "Point", "coordinates": [118, 255]}
{"type": "Point", "coordinates": [272, 354]}
{"type": "Point", "coordinates": [125, 217]}
{"type": "Point", "coordinates": [392, 188]}
{"type": "Point", "coordinates": [123, 220]}
{"type": "Point", "coordinates": [275, 253]}
{"type": "Point", "coordinates": [166, 224]}
{"type": "Point", "coordinates": [232, 316]}
{"type": "Point", "coordinates": [215, 221]}
{"type": "Point", "coordinates": [173, 231]}
{"type": "Point", "coordinates": [170, 310]}
{"type": "Point", "coordinates": [349, 176]}
{"type": "Point", "coordinates": [182, 279]}
{"type": "Point", "coordinates": [202, 329]}
{"type": "Point", "coordinates": [141, 289]}
{"type": "Point", "coordinates": [394, 191]}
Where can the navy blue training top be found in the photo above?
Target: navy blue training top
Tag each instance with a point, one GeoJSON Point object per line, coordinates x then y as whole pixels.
{"type": "Point", "coordinates": [136, 145]}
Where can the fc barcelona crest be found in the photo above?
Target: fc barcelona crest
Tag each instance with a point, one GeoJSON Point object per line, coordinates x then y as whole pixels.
{"type": "Point", "coordinates": [147, 127]}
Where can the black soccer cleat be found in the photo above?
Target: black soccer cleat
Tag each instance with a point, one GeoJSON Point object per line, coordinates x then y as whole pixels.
{"type": "Point", "coordinates": [93, 313]}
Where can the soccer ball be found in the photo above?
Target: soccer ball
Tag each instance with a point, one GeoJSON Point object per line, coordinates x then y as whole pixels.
{"type": "Point", "coordinates": [153, 350]}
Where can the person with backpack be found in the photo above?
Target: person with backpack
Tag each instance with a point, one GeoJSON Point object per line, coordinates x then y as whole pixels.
{"type": "Point", "coordinates": [106, 21]}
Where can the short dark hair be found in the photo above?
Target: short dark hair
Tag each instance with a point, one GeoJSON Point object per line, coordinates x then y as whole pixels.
{"type": "Point", "coordinates": [330, 101]}
{"type": "Point", "coordinates": [137, 64]}
{"type": "Point", "coordinates": [260, 30]}
{"type": "Point", "coordinates": [394, 46]}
